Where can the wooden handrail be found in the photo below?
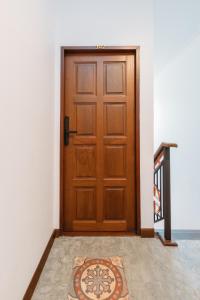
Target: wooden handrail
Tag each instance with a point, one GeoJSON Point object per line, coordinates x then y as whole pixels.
{"type": "Point", "coordinates": [162, 147]}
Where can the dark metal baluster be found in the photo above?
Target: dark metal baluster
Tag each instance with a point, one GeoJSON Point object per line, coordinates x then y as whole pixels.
{"type": "Point", "coordinates": [155, 215]}
{"type": "Point", "coordinates": [161, 215]}
{"type": "Point", "coordinates": [157, 187]}
{"type": "Point", "coordinates": [167, 195]}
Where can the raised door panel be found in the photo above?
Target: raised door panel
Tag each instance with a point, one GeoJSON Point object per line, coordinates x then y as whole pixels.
{"type": "Point", "coordinates": [114, 78]}
{"type": "Point", "coordinates": [115, 119]}
{"type": "Point", "coordinates": [115, 161]}
{"type": "Point", "coordinates": [85, 119]}
{"type": "Point", "coordinates": [114, 203]}
{"type": "Point", "coordinates": [85, 198]}
{"type": "Point", "coordinates": [85, 81]}
{"type": "Point", "coordinates": [85, 158]}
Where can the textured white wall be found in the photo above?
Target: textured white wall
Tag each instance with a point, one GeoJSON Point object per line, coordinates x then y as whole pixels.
{"type": "Point", "coordinates": [177, 105]}
{"type": "Point", "coordinates": [128, 22]}
{"type": "Point", "coordinates": [26, 140]}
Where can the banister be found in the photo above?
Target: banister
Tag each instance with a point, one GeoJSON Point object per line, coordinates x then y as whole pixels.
{"type": "Point", "coordinates": [162, 191]}
{"type": "Point", "coordinates": [162, 147]}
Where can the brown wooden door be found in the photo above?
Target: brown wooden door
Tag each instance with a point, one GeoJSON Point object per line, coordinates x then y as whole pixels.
{"type": "Point", "coordinates": [99, 162]}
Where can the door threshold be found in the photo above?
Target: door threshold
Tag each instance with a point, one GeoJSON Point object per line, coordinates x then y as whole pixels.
{"type": "Point", "coordinates": [97, 233]}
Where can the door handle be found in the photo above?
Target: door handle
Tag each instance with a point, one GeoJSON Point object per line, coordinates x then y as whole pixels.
{"type": "Point", "coordinates": [67, 132]}
{"type": "Point", "coordinates": [71, 131]}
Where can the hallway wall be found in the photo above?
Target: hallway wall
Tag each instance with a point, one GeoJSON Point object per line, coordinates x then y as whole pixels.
{"type": "Point", "coordinates": [177, 105]}
{"type": "Point", "coordinates": [128, 22]}
{"type": "Point", "coordinates": [29, 116]}
{"type": "Point", "coordinates": [26, 140]}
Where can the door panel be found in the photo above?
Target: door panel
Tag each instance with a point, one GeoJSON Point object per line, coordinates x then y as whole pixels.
{"type": "Point", "coordinates": [114, 77]}
{"type": "Point", "coordinates": [85, 157]}
{"type": "Point", "coordinates": [115, 161]}
{"type": "Point", "coordinates": [86, 80]}
{"type": "Point", "coordinates": [85, 198]}
{"type": "Point", "coordinates": [86, 119]}
{"type": "Point", "coordinates": [114, 203]}
{"type": "Point", "coordinates": [99, 162]}
{"type": "Point", "coordinates": [115, 119]}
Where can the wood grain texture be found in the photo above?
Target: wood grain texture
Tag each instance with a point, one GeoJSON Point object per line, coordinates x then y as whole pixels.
{"type": "Point", "coordinates": [119, 134]}
{"type": "Point", "coordinates": [100, 79]}
{"type": "Point", "coordinates": [147, 232]}
{"type": "Point", "coordinates": [115, 119]}
{"type": "Point", "coordinates": [86, 203]}
{"type": "Point", "coordinates": [114, 203]}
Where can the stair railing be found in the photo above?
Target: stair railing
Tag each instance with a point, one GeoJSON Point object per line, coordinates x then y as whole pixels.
{"type": "Point", "coordinates": [162, 191]}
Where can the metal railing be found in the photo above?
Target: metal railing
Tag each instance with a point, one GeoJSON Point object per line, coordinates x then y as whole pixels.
{"type": "Point", "coordinates": [162, 191]}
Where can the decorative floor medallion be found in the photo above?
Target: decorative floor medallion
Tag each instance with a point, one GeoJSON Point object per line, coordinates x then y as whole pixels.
{"type": "Point", "coordinates": [99, 279]}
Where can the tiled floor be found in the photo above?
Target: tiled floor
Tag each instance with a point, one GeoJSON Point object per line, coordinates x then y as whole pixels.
{"type": "Point", "coordinates": [153, 272]}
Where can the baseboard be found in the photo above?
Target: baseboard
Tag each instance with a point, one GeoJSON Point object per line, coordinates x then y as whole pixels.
{"type": "Point", "coordinates": [32, 285]}
{"type": "Point", "coordinates": [147, 232]}
{"type": "Point", "coordinates": [183, 234]}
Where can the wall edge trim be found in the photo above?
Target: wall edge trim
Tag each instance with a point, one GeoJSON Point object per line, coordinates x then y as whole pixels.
{"type": "Point", "coordinates": [36, 275]}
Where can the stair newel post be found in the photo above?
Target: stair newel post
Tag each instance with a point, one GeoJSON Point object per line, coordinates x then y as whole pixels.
{"type": "Point", "coordinates": [167, 195]}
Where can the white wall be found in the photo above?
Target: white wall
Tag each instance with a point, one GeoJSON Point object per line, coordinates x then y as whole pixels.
{"type": "Point", "coordinates": [112, 22]}
{"type": "Point", "coordinates": [26, 140]}
{"type": "Point", "coordinates": [177, 105]}
{"type": "Point", "coordinates": [29, 167]}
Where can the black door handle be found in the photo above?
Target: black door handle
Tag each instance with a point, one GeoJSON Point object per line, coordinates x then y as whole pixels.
{"type": "Point", "coordinates": [71, 131]}
{"type": "Point", "coordinates": [67, 131]}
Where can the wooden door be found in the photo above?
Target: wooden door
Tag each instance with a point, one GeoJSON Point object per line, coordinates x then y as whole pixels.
{"type": "Point", "coordinates": [99, 162]}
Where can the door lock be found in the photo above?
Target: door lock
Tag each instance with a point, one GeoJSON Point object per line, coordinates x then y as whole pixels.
{"type": "Point", "coordinates": [67, 132]}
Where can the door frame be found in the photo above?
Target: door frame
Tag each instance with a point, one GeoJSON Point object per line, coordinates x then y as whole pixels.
{"type": "Point", "coordinates": [102, 49]}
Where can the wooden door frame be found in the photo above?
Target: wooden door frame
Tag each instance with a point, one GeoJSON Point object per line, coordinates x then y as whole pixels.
{"type": "Point", "coordinates": [103, 49]}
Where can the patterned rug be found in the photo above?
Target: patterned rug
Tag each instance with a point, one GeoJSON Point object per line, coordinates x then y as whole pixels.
{"type": "Point", "coordinates": [99, 279]}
